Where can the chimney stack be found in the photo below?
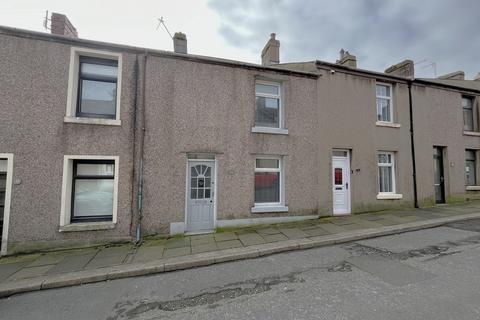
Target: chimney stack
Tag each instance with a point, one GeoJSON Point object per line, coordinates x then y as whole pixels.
{"type": "Point", "coordinates": [347, 59]}
{"type": "Point", "coordinates": [402, 69]}
{"type": "Point", "coordinates": [180, 42]}
{"type": "Point", "coordinates": [271, 51]}
{"type": "Point", "coordinates": [62, 26]}
{"type": "Point", "coordinates": [457, 75]}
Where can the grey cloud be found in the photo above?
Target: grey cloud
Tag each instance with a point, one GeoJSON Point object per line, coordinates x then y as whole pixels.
{"type": "Point", "coordinates": [379, 32]}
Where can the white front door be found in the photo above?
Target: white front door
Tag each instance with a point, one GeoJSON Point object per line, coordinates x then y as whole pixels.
{"type": "Point", "coordinates": [200, 196]}
{"type": "Point", "coordinates": [341, 182]}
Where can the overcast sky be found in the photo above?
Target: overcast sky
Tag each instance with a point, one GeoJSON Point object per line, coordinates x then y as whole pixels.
{"type": "Point", "coordinates": [379, 32]}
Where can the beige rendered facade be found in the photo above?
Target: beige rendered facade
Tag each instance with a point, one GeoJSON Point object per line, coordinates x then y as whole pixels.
{"type": "Point", "coordinates": [173, 113]}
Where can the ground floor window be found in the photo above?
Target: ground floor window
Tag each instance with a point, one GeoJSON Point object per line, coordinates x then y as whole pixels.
{"type": "Point", "coordinates": [92, 190]}
{"type": "Point", "coordinates": [386, 172]}
{"type": "Point", "coordinates": [89, 192]}
{"type": "Point", "coordinates": [470, 168]}
{"type": "Point", "coordinates": [267, 181]}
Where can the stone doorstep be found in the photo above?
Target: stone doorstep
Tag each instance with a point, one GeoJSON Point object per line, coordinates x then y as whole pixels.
{"type": "Point", "coordinates": [204, 259]}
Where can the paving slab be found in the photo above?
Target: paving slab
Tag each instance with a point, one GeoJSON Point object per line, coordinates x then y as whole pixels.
{"type": "Point", "coordinates": [293, 233]}
{"type": "Point", "coordinates": [30, 272]}
{"type": "Point", "coordinates": [268, 231]}
{"type": "Point", "coordinates": [229, 244]}
{"type": "Point", "coordinates": [225, 236]}
{"type": "Point", "coordinates": [332, 228]}
{"type": "Point", "coordinates": [274, 237]}
{"type": "Point", "coordinates": [73, 262]}
{"type": "Point", "coordinates": [202, 239]}
{"type": "Point", "coordinates": [144, 254]}
{"type": "Point", "coordinates": [177, 243]}
{"type": "Point", "coordinates": [50, 258]}
{"type": "Point", "coordinates": [176, 252]}
{"type": "Point", "coordinates": [317, 231]}
{"type": "Point", "coordinates": [390, 271]}
{"type": "Point", "coordinates": [250, 239]}
{"type": "Point", "coordinates": [204, 247]}
{"type": "Point", "coordinates": [7, 269]}
{"type": "Point", "coordinates": [417, 239]}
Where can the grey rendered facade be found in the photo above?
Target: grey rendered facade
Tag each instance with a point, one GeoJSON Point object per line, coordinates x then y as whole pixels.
{"type": "Point", "coordinates": [172, 107]}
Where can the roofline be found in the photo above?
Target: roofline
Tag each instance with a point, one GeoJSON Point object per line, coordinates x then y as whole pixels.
{"type": "Point", "coordinates": [29, 34]}
{"type": "Point", "coordinates": [370, 73]}
{"type": "Point", "coordinates": [375, 74]}
{"type": "Point", "coordinates": [449, 86]}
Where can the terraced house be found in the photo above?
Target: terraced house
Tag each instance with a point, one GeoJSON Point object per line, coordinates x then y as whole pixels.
{"type": "Point", "coordinates": [103, 142]}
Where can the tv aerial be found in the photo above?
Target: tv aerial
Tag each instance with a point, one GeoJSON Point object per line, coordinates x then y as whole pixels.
{"type": "Point", "coordinates": [162, 22]}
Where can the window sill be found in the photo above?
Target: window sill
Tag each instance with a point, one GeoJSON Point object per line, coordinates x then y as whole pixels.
{"type": "Point", "coordinates": [389, 196]}
{"type": "Point", "coordinates": [264, 209]}
{"type": "Point", "coordinates": [269, 130]}
{"type": "Point", "coordinates": [87, 226]}
{"type": "Point", "coordinates": [387, 124]}
{"type": "Point", "coordinates": [472, 188]}
{"type": "Point", "coordinates": [98, 121]}
{"type": "Point", "coordinates": [471, 133]}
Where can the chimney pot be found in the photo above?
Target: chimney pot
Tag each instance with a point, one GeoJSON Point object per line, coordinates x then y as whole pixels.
{"type": "Point", "coordinates": [180, 43]}
{"type": "Point", "coordinates": [60, 25]}
{"type": "Point", "coordinates": [347, 59]}
{"type": "Point", "coordinates": [271, 51]}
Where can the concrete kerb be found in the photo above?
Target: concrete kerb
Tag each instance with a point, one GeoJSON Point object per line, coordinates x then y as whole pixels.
{"type": "Point", "coordinates": [209, 258]}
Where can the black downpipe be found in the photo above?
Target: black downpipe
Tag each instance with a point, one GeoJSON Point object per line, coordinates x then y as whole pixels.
{"type": "Point", "coordinates": [412, 145]}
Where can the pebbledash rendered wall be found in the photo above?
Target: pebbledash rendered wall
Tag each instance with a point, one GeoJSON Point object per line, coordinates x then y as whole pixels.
{"type": "Point", "coordinates": [195, 104]}
{"type": "Point", "coordinates": [33, 98]}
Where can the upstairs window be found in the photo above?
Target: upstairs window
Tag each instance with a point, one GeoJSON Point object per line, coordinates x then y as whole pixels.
{"type": "Point", "coordinates": [97, 88]}
{"type": "Point", "coordinates": [470, 168]}
{"type": "Point", "coordinates": [384, 102]}
{"type": "Point", "coordinates": [268, 104]}
{"type": "Point", "coordinates": [467, 105]}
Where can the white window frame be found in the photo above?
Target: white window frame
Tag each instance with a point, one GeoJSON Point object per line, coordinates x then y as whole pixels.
{"type": "Point", "coordinates": [390, 98]}
{"type": "Point", "coordinates": [65, 209]}
{"type": "Point", "coordinates": [281, 125]}
{"type": "Point", "coordinates": [271, 206]}
{"type": "Point", "coordinates": [394, 173]}
{"type": "Point", "coordinates": [70, 113]}
{"type": "Point", "coordinates": [8, 201]}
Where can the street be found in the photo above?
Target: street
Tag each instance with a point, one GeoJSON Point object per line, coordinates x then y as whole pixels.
{"type": "Point", "coordinates": [427, 274]}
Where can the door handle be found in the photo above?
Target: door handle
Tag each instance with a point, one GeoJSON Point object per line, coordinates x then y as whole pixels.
{"type": "Point", "coordinates": [346, 185]}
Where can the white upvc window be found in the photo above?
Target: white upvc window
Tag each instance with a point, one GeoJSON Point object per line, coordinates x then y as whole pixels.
{"type": "Point", "coordinates": [89, 193]}
{"type": "Point", "coordinates": [268, 108]}
{"type": "Point", "coordinates": [384, 102]}
{"type": "Point", "coordinates": [94, 87]}
{"type": "Point", "coordinates": [269, 185]}
{"type": "Point", "coordinates": [386, 172]}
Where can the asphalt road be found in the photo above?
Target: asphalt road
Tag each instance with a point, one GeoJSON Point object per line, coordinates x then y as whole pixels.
{"type": "Point", "coordinates": [427, 274]}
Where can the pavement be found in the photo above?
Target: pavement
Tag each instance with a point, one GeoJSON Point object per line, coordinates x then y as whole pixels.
{"type": "Point", "coordinates": [419, 275]}
{"type": "Point", "coordinates": [64, 268]}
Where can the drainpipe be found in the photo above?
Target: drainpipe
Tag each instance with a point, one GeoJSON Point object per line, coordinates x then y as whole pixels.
{"type": "Point", "coordinates": [138, 146]}
{"type": "Point", "coordinates": [141, 152]}
{"type": "Point", "coordinates": [412, 145]}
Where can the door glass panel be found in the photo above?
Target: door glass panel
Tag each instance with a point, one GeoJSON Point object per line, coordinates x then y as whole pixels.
{"type": "Point", "coordinates": [200, 194]}
{"type": "Point", "coordinates": [338, 176]}
{"type": "Point", "coordinates": [194, 183]}
{"type": "Point", "coordinates": [207, 182]}
{"type": "Point", "coordinates": [339, 153]}
{"type": "Point", "coordinates": [201, 182]}
{"type": "Point", "coordinates": [207, 193]}
{"type": "Point", "coordinates": [193, 194]}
